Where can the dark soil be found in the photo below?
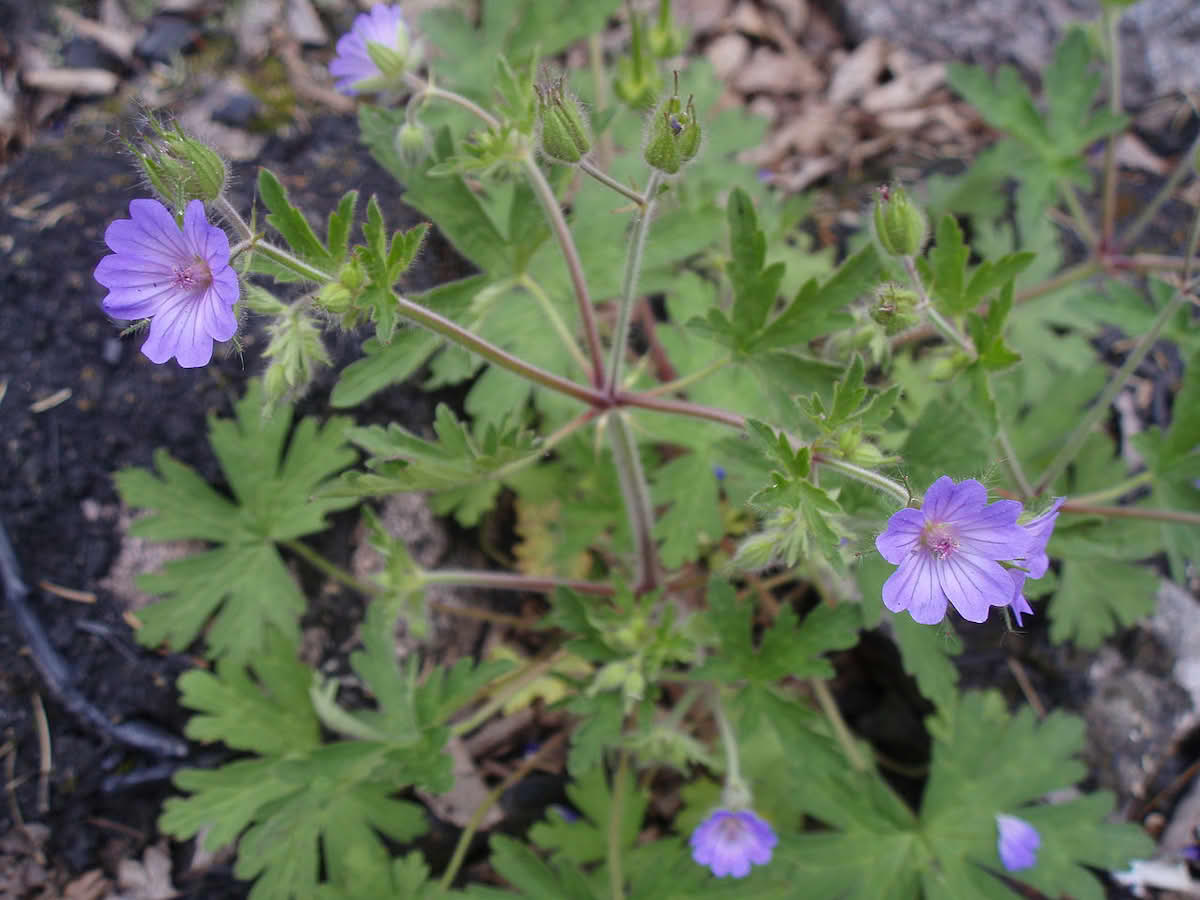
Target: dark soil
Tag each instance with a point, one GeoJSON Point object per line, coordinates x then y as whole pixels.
{"type": "Point", "coordinates": [57, 499]}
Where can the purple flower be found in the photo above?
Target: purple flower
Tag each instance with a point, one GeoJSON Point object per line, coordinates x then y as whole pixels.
{"type": "Point", "coordinates": [1039, 530]}
{"type": "Point", "coordinates": [1017, 843]}
{"type": "Point", "coordinates": [729, 842]}
{"type": "Point", "coordinates": [353, 66]}
{"type": "Point", "coordinates": [180, 279]}
{"type": "Point", "coordinates": [948, 551]}
{"type": "Point", "coordinates": [1020, 606]}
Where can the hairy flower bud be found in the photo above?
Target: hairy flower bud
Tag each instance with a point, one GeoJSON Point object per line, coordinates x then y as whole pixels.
{"type": "Point", "coordinates": [565, 134]}
{"type": "Point", "coordinates": [638, 83]}
{"type": "Point", "coordinates": [412, 143]}
{"type": "Point", "coordinates": [665, 38]}
{"type": "Point", "coordinates": [674, 134]}
{"type": "Point", "coordinates": [899, 223]}
{"type": "Point", "coordinates": [179, 167]}
{"type": "Point", "coordinates": [895, 307]}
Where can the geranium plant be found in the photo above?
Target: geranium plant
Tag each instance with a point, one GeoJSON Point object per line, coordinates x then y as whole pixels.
{"type": "Point", "coordinates": [882, 430]}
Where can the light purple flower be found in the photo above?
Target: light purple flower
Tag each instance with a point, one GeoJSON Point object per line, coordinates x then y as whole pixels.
{"type": "Point", "coordinates": [948, 551]}
{"type": "Point", "coordinates": [1017, 842]}
{"type": "Point", "coordinates": [181, 280]}
{"type": "Point", "coordinates": [352, 65]}
{"type": "Point", "coordinates": [730, 842]}
{"type": "Point", "coordinates": [1039, 529]}
{"type": "Point", "coordinates": [1020, 605]}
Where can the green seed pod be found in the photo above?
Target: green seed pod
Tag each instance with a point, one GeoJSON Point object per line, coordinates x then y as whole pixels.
{"type": "Point", "coordinates": [412, 143]}
{"type": "Point", "coordinates": [565, 134]}
{"type": "Point", "coordinates": [674, 137]}
{"type": "Point", "coordinates": [179, 167]}
{"type": "Point", "coordinates": [899, 223]}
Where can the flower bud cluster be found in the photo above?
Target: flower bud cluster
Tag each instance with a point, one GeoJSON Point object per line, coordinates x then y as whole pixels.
{"type": "Point", "coordinates": [179, 167]}
{"type": "Point", "coordinates": [900, 225]}
{"type": "Point", "coordinates": [674, 138]}
{"type": "Point", "coordinates": [565, 135]}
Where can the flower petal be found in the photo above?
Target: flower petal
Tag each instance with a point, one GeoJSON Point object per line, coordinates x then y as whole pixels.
{"type": "Point", "coordinates": [946, 501]}
{"type": "Point", "coordinates": [178, 330]}
{"type": "Point", "coordinates": [914, 586]}
{"type": "Point", "coordinates": [151, 233]}
{"type": "Point", "coordinates": [902, 536]}
{"type": "Point", "coordinates": [993, 531]}
{"type": "Point", "coordinates": [973, 584]}
{"type": "Point", "coordinates": [1017, 843]}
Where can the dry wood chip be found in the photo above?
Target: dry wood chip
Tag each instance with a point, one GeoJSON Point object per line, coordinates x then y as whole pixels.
{"type": "Point", "coordinates": [747, 19]}
{"type": "Point", "coordinates": [252, 27]}
{"type": "Point", "coordinates": [117, 41]}
{"type": "Point", "coordinates": [793, 12]}
{"type": "Point", "coordinates": [904, 119]}
{"type": "Point", "coordinates": [1132, 153]}
{"type": "Point", "coordinates": [78, 82]}
{"type": "Point", "coordinates": [805, 134]}
{"type": "Point", "coordinates": [149, 879]}
{"type": "Point", "coordinates": [727, 53]}
{"type": "Point", "coordinates": [470, 791]}
{"type": "Point", "coordinates": [777, 73]}
{"type": "Point", "coordinates": [810, 170]}
{"type": "Point", "coordinates": [91, 885]}
{"type": "Point", "coordinates": [858, 72]}
{"type": "Point", "coordinates": [305, 25]}
{"type": "Point", "coordinates": [906, 91]}
{"type": "Point", "coordinates": [702, 15]}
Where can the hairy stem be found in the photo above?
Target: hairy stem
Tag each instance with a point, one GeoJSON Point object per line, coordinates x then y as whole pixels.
{"type": "Point", "coordinates": [489, 351]}
{"type": "Point", "coordinates": [1078, 215]}
{"type": "Point", "coordinates": [940, 322]}
{"type": "Point", "coordinates": [616, 879]}
{"type": "Point", "coordinates": [468, 834]}
{"type": "Point", "coordinates": [508, 581]}
{"type": "Point", "coordinates": [629, 283]}
{"type": "Point", "coordinates": [636, 493]}
{"type": "Point", "coordinates": [588, 168]}
{"type": "Point", "coordinates": [1117, 490]}
{"type": "Point", "coordinates": [1182, 169]}
{"type": "Point", "coordinates": [1131, 512]}
{"type": "Point", "coordinates": [566, 243]}
{"type": "Point", "coordinates": [1100, 408]}
{"type": "Point", "coordinates": [1112, 25]}
{"type": "Point", "coordinates": [428, 89]}
{"type": "Point", "coordinates": [680, 407]}
{"type": "Point", "coordinates": [556, 321]}
{"type": "Point", "coordinates": [691, 378]}
{"type": "Point", "coordinates": [1014, 464]}
{"type": "Point", "coordinates": [278, 254]}
{"type": "Point", "coordinates": [330, 568]}
{"type": "Point", "coordinates": [840, 730]}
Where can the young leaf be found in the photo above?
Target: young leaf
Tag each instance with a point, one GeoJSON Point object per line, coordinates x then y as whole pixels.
{"type": "Point", "coordinates": [948, 265]}
{"type": "Point", "coordinates": [243, 582]}
{"type": "Point", "coordinates": [290, 223]}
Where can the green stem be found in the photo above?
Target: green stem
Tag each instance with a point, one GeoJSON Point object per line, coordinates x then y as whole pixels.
{"type": "Point", "coordinates": [680, 407]}
{"type": "Point", "coordinates": [278, 254]}
{"type": "Point", "coordinates": [940, 322]}
{"type": "Point", "coordinates": [508, 581]}
{"type": "Point", "coordinates": [468, 834]}
{"type": "Point", "coordinates": [428, 89]}
{"type": "Point", "coordinates": [558, 224]}
{"type": "Point", "coordinates": [1143, 346]}
{"type": "Point", "coordinates": [1112, 25]}
{"type": "Point", "coordinates": [531, 673]}
{"type": "Point", "coordinates": [1014, 464]}
{"type": "Point", "coordinates": [1182, 169]}
{"type": "Point", "coordinates": [1118, 490]}
{"type": "Point", "coordinates": [1100, 408]}
{"type": "Point", "coordinates": [556, 320]}
{"type": "Point", "coordinates": [1147, 262]}
{"type": "Point", "coordinates": [616, 879]}
{"type": "Point", "coordinates": [733, 766]}
{"type": "Point", "coordinates": [629, 283]}
{"type": "Point", "coordinates": [588, 168]}
{"type": "Point", "coordinates": [840, 730]}
{"type": "Point", "coordinates": [1063, 279]}
{"type": "Point", "coordinates": [636, 494]}
{"type": "Point", "coordinates": [691, 378]}
{"type": "Point", "coordinates": [1078, 215]}
{"type": "Point", "coordinates": [330, 568]}
{"type": "Point", "coordinates": [1131, 512]}
{"type": "Point", "coordinates": [866, 476]}
{"type": "Point", "coordinates": [466, 339]}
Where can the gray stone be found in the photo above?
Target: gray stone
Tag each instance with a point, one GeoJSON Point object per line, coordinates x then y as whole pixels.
{"type": "Point", "coordinates": [1160, 38]}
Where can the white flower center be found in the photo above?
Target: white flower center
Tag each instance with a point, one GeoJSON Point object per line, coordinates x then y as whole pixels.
{"type": "Point", "coordinates": [939, 539]}
{"type": "Point", "coordinates": [196, 275]}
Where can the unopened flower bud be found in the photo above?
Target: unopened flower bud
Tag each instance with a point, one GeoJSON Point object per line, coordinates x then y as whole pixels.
{"type": "Point", "coordinates": [638, 83]}
{"type": "Point", "coordinates": [335, 298]}
{"type": "Point", "coordinates": [564, 131]}
{"type": "Point", "coordinates": [352, 275]}
{"type": "Point", "coordinates": [179, 167]}
{"type": "Point", "coordinates": [665, 39]}
{"type": "Point", "coordinates": [412, 143]}
{"type": "Point", "coordinates": [899, 223]}
{"type": "Point", "coordinates": [674, 134]}
{"type": "Point", "coordinates": [895, 307]}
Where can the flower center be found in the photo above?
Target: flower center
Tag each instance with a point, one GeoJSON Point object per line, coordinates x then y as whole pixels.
{"type": "Point", "coordinates": [196, 275]}
{"type": "Point", "coordinates": [731, 829]}
{"type": "Point", "coordinates": [939, 539]}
